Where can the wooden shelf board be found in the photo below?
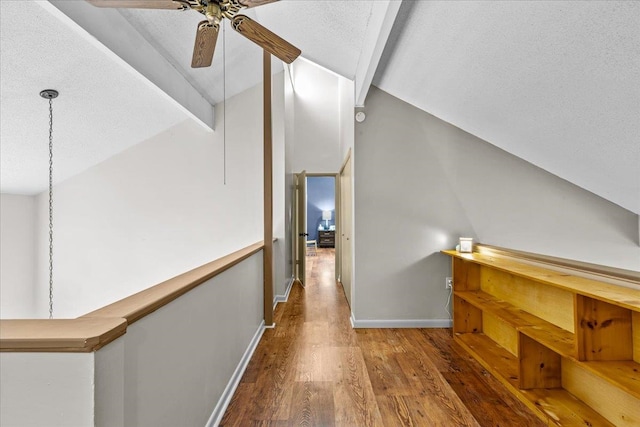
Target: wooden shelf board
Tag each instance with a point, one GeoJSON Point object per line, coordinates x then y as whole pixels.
{"type": "Point", "coordinates": [562, 408]}
{"type": "Point", "coordinates": [618, 295]}
{"type": "Point", "coordinates": [501, 309]}
{"type": "Point", "coordinates": [548, 334]}
{"type": "Point", "coordinates": [552, 337]}
{"type": "Point", "coordinates": [558, 407]}
{"type": "Point", "coordinates": [624, 374]}
{"type": "Point", "coordinates": [497, 360]}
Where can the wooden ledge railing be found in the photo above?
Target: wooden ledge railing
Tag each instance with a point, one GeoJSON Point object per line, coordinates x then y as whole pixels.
{"type": "Point", "coordinates": [596, 271]}
{"type": "Point", "coordinates": [94, 330]}
{"type": "Point", "coordinates": [622, 296]}
{"type": "Point", "coordinates": [59, 335]}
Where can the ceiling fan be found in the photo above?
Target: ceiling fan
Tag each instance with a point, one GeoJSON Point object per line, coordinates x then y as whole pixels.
{"type": "Point", "coordinates": [207, 33]}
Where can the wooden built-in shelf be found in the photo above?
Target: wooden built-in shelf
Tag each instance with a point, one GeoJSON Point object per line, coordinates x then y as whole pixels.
{"type": "Point", "coordinates": [567, 346]}
{"type": "Point", "coordinates": [555, 403]}
{"type": "Point", "coordinates": [557, 339]}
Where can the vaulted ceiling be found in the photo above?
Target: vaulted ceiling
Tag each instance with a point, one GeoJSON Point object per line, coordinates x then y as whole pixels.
{"type": "Point", "coordinates": [556, 83]}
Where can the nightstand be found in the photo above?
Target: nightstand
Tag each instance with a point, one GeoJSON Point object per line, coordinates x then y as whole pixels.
{"type": "Point", "coordinates": [326, 238]}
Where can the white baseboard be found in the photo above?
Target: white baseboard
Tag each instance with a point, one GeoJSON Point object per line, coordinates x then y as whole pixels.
{"type": "Point", "coordinates": [401, 323]}
{"type": "Point", "coordinates": [283, 298]}
{"type": "Point", "coordinates": [227, 394]}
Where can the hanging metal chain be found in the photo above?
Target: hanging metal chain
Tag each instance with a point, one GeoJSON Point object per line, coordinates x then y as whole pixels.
{"type": "Point", "coordinates": [50, 94]}
{"type": "Point", "coordinates": [50, 208]}
{"type": "Point", "coordinates": [224, 100]}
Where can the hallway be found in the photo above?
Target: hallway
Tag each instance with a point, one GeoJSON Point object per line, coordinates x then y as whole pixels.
{"type": "Point", "coordinates": [313, 369]}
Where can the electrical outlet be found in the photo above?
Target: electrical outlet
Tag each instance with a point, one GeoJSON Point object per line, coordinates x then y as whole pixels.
{"type": "Point", "coordinates": [448, 283]}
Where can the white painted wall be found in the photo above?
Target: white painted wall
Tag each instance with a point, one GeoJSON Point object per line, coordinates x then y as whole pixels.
{"type": "Point", "coordinates": [155, 211]}
{"type": "Point", "coordinates": [17, 256]}
{"type": "Point", "coordinates": [281, 249]}
{"type": "Point", "coordinates": [46, 389]}
{"type": "Point", "coordinates": [421, 183]}
{"type": "Point", "coordinates": [289, 168]}
{"type": "Point", "coordinates": [316, 119]}
{"type": "Point", "coordinates": [347, 114]}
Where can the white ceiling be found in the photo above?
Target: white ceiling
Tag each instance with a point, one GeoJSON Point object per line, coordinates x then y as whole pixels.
{"type": "Point", "coordinates": [104, 106]}
{"type": "Point", "coordinates": [556, 83]}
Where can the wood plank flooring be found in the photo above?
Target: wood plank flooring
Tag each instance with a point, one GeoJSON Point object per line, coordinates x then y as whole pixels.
{"type": "Point", "coordinates": [313, 369]}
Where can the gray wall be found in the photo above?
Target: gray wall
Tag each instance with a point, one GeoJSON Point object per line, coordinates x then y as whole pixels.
{"type": "Point", "coordinates": [421, 183]}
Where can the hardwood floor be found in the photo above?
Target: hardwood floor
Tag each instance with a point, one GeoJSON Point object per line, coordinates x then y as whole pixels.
{"type": "Point", "coordinates": [313, 369]}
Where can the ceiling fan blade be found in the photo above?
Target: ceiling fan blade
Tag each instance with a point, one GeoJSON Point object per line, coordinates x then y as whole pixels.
{"type": "Point", "coordinates": [269, 41]}
{"type": "Point", "coordinates": [254, 3]}
{"type": "Point", "coordinates": [205, 45]}
{"type": "Point", "coordinates": [140, 4]}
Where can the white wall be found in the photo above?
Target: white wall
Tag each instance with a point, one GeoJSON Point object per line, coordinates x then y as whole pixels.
{"type": "Point", "coordinates": [17, 256]}
{"type": "Point", "coordinates": [289, 168]}
{"type": "Point", "coordinates": [347, 114]}
{"type": "Point", "coordinates": [421, 183]}
{"type": "Point", "coordinates": [281, 248]}
{"type": "Point", "coordinates": [316, 119]}
{"type": "Point", "coordinates": [155, 211]}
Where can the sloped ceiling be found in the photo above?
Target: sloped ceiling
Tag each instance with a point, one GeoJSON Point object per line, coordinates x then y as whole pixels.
{"type": "Point", "coordinates": [112, 80]}
{"type": "Point", "coordinates": [330, 33]}
{"type": "Point", "coordinates": [555, 83]}
{"type": "Point", "coordinates": [104, 106]}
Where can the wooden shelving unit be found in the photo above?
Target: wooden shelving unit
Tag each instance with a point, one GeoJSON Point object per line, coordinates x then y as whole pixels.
{"type": "Point", "coordinates": [566, 345]}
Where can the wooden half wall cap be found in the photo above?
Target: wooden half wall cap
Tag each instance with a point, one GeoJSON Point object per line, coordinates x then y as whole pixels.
{"type": "Point", "coordinates": [94, 330]}
{"type": "Point", "coordinates": [82, 335]}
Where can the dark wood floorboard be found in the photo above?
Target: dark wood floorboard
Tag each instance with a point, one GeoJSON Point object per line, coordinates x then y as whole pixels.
{"type": "Point", "coordinates": [313, 369]}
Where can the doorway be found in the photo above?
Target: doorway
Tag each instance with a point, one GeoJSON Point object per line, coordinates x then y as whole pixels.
{"type": "Point", "coordinates": [316, 222]}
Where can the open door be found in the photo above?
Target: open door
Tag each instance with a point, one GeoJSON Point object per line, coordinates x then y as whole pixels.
{"type": "Point", "coordinates": [301, 226]}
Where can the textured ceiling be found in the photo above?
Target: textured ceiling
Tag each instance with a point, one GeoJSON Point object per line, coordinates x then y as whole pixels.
{"type": "Point", "coordinates": [555, 83]}
{"type": "Point", "coordinates": [104, 107]}
{"type": "Point", "coordinates": [173, 33]}
{"type": "Point", "coordinates": [330, 33]}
